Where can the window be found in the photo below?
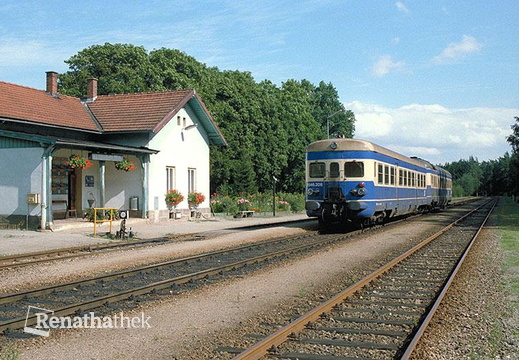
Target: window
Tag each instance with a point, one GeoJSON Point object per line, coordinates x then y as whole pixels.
{"type": "Point", "coordinates": [400, 177]}
{"type": "Point", "coordinates": [334, 170]}
{"type": "Point", "coordinates": [393, 175]}
{"type": "Point", "coordinates": [191, 180]}
{"type": "Point", "coordinates": [380, 173]}
{"type": "Point", "coordinates": [317, 170]}
{"type": "Point", "coordinates": [386, 174]}
{"type": "Point", "coordinates": [354, 169]}
{"type": "Point", "coordinates": [171, 181]}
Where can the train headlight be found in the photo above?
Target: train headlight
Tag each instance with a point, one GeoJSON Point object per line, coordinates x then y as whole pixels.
{"type": "Point", "coordinates": [359, 191]}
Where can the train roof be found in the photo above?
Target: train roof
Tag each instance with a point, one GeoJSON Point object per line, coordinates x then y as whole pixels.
{"type": "Point", "coordinates": [344, 144]}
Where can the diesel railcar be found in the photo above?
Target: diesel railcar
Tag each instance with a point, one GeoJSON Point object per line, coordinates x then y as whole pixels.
{"type": "Point", "coordinates": [350, 180]}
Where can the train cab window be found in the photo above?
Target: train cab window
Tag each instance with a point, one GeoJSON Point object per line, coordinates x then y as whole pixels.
{"type": "Point", "coordinates": [380, 173]}
{"type": "Point", "coordinates": [317, 170]}
{"type": "Point", "coordinates": [354, 169]}
{"type": "Point", "coordinates": [334, 170]}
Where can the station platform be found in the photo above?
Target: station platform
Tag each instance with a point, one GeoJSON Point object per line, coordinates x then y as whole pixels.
{"type": "Point", "coordinates": [79, 232]}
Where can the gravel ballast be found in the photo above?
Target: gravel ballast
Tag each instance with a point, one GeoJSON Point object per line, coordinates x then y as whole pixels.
{"type": "Point", "coordinates": [194, 324]}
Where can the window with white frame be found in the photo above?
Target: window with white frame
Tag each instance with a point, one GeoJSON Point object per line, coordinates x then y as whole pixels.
{"type": "Point", "coordinates": [171, 178]}
{"type": "Point", "coordinates": [191, 180]}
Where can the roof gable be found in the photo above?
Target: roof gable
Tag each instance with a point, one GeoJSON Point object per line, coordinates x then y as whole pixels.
{"type": "Point", "coordinates": [139, 111]}
{"type": "Point", "coordinates": [150, 112]}
{"type": "Point", "coordinates": [37, 106]}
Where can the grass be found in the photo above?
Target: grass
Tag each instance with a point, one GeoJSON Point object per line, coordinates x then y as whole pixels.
{"type": "Point", "coordinates": [508, 221]}
{"type": "Point", "coordinates": [508, 218]}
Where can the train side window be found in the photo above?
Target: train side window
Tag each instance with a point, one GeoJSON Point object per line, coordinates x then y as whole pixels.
{"type": "Point", "coordinates": [406, 177]}
{"type": "Point", "coordinates": [334, 170]}
{"type": "Point", "coordinates": [400, 177]}
{"type": "Point", "coordinates": [354, 169]}
{"type": "Point", "coordinates": [380, 173]}
{"type": "Point", "coordinates": [413, 179]}
{"type": "Point", "coordinates": [317, 170]}
{"type": "Point", "coordinates": [393, 175]}
{"type": "Point", "coordinates": [386, 174]}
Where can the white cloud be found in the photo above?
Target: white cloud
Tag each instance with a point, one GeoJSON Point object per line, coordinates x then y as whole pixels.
{"type": "Point", "coordinates": [455, 51]}
{"type": "Point", "coordinates": [402, 7]}
{"type": "Point", "coordinates": [385, 65]}
{"type": "Point", "coordinates": [434, 132]}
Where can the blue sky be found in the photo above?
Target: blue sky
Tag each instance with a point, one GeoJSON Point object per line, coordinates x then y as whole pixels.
{"type": "Point", "coordinates": [437, 79]}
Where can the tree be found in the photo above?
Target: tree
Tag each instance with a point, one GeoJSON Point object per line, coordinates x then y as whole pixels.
{"type": "Point", "coordinates": [513, 139]}
{"type": "Point", "coordinates": [119, 68]}
{"type": "Point", "coordinates": [267, 127]}
{"type": "Point", "coordinates": [325, 102]}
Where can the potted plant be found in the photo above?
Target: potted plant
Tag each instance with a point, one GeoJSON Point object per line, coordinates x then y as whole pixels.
{"type": "Point", "coordinates": [195, 198]}
{"type": "Point", "coordinates": [78, 162]}
{"type": "Point", "coordinates": [173, 198]}
{"type": "Point", "coordinates": [125, 165]}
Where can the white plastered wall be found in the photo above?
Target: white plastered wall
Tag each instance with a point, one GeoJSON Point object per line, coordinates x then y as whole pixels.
{"type": "Point", "coordinates": [182, 149]}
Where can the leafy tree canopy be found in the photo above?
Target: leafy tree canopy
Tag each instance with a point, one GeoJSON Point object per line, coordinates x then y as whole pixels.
{"type": "Point", "coordinates": [267, 127]}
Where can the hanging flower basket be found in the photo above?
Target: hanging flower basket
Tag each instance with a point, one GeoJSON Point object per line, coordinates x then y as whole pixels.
{"type": "Point", "coordinates": [78, 162]}
{"type": "Point", "coordinates": [173, 198]}
{"type": "Point", "coordinates": [125, 165]}
{"type": "Point", "coordinates": [195, 198]}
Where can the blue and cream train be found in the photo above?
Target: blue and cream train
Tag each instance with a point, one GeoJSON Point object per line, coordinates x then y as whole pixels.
{"type": "Point", "coordinates": [349, 180]}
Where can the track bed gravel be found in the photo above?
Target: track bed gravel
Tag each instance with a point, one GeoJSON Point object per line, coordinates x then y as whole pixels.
{"type": "Point", "coordinates": [194, 324]}
{"type": "Point", "coordinates": [475, 320]}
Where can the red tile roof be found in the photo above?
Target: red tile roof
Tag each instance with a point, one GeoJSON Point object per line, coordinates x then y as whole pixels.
{"type": "Point", "coordinates": [36, 106]}
{"type": "Point", "coordinates": [138, 112]}
{"type": "Point", "coordinates": [108, 113]}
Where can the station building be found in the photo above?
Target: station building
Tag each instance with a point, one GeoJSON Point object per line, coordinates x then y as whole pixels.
{"type": "Point", "coordinates": [60, 155]}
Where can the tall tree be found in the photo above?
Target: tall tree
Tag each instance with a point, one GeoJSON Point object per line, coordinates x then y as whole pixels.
{"type": "Point", "coordinates": [267, 127]}
{"type": "Point", "coordinates": [329, 111]}
{"type": "Point", "coordinates": [513, 140]}
{"type": "Point", "coordinates": [120, 68]}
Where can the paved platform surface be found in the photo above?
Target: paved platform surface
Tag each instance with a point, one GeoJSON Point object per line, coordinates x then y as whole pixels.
{"type": "Point", "coordinates": [78, 232]}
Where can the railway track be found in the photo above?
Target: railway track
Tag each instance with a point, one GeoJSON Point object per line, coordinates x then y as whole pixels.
{"type": "Point", "coordinates": [34, 258]}
{"type": "Point", "coordinates": [169, 277]}
{"type": "Point", "coordinates": [383, 315]}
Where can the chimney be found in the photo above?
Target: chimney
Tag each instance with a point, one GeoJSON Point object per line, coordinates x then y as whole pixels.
{"type": "Point", "coordinates": [91, 89]}
{"type": "Point", "coordinates": [52, 83]}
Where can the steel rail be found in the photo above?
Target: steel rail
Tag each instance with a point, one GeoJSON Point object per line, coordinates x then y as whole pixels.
{"type": "Point", "coordinates": [416, 338]}
{"type": "Point", "coordinates": [19, 260]}
{"type": "Point", "coordinates": [96, 302]}
{"type": "Point", "coordinates": [272, 341]}
{"type": "Point", "coordinates": [10, 297]}
{"type": "Point", "coordinates": [33, 258]}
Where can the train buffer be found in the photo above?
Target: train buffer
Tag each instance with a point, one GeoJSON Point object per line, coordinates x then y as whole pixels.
{"type": "Point", "coordinates": [244, 214]}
